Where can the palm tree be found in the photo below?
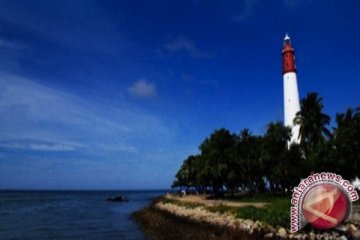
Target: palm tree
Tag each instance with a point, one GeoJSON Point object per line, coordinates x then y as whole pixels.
{"type": "Point", "coordinates": [346, 144]}
{"type": "Point", "coordinates": [313, 131]}
{"type": "Point", "coordinates": [346, 119]}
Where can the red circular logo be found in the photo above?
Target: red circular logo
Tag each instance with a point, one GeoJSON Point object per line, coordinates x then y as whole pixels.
{"type": "Point", "coordinates": [325, 206]}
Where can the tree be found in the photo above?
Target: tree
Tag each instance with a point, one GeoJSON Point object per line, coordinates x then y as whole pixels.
{"type": "Point", "coordinates": [313, 124]}
{"type": "Point", "coordinates": [249, 158]}
{"type": "Point", "coordinates": [295, 166]}
{"type": "Point", "coordinates": [188, 172]}
{"type": "Point", "coordinates": [218, 153]}
{"type": "Point", "coordinates": [345, 148]}
{"type": "Point", "coordinates": [229, 161]}
{"type": "Point", "coordinates": [274, 154]}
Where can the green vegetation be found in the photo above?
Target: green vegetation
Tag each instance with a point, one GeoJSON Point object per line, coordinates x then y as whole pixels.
{"type": "Point", "coordinates": [228, 162]}
{"type": "Point", "coordinates": [277, 213]}
{"type": "Point", "coordinates": [180, 203]}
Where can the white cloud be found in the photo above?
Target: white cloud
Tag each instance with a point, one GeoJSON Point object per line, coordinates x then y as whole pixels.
{"type": "Point", "coordinates": [143, 88]}
{"type": "Point", "coordinates": [48, 147]}
{"type": "Point", "coordinates": [51, 147]}
{"type": "Point", "coordinates": [39, 118]}
{"type": "Point", "coordinates": [181, 44]}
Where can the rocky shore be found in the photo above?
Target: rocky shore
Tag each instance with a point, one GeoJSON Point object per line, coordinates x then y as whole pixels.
{"type": "Point", "coordinates": [159, 224]}
{"type": "Point", "coordinates": [164, 220]}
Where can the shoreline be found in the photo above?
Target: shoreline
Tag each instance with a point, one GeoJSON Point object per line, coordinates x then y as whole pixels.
{"type": "Point", "coordinates": [160, 224]}
{"type": "Point", "coordinates": [166, 220]}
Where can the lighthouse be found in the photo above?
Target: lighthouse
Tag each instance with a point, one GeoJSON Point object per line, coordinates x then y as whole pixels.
{"type": "Point", "coordinates": [291, 93]}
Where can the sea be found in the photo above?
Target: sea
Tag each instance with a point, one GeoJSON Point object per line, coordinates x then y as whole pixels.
{"type": "Point", "coordinates": [71, 214]}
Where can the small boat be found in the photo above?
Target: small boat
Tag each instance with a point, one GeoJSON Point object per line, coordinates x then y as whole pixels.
{"type": "Point", "coordinates": [118, 198]}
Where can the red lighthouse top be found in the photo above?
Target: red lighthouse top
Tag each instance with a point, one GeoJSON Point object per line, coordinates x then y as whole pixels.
{"type": "Point", "coordinates": [288, 56]}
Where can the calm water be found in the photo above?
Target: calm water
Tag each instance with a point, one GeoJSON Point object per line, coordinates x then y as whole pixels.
{"type": "Point", "coordinates": [70, 215]}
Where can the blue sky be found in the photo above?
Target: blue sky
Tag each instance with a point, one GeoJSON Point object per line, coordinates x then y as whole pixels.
{"type": "Point", "coordinates": [115, 94]}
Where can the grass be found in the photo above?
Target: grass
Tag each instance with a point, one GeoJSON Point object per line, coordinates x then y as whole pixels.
{"type": "Point", "coordinates": [276, 213]}
{"type": "Point", "coordinates": [190, 205]}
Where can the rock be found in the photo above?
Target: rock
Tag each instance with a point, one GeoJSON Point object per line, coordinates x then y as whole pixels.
{"type": "Point", "coordinates": [249, 222]}
{"type": "Point", "coordinates": [237, 224]}
{"type": "Point", "coordinates": [290, 236]}
{"type": "Point", "coordinates": [312, 235]}
{"type": "Point", "coordinates": [269, 236]}
{"type": "Point", "coordinates": [353, 231]}
{"type": "Point", "coordinates": [282, 232]}
{"type": "Point", "coordinates": [355, 234]}
{"type": "Point", "coordinates": [304, 236]}
{"type": "Point", "coordinates": [269, 228]}
{"type": "Point", "coordinates": [255, 225]}
{"type": "Point", "coordinates": [352, 228]}
{"type": "Point", "coordinates": [341, 228]}
{"type": "Point", "coordinates": [335, 235]}
{"type": "Point", "coordinates": [326, 236]}
{"type": "Point", "coordinates": [295, 236]}
{"type": "Point", "coordinates": [118, 198]}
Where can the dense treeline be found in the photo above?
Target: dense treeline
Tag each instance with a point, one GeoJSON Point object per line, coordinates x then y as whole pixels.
{"type": "Point", "coordinates": [229, 162]}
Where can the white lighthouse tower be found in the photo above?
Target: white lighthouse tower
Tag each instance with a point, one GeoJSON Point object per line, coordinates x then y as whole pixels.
{"type": "Point", "coordinates": [291, 93]}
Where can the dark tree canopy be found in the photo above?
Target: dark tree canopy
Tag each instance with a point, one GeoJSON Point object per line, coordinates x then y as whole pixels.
{"type": "Point", "coordinates": [313, 123]}
{"type": "Point", "coordinates": [230, 162]}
